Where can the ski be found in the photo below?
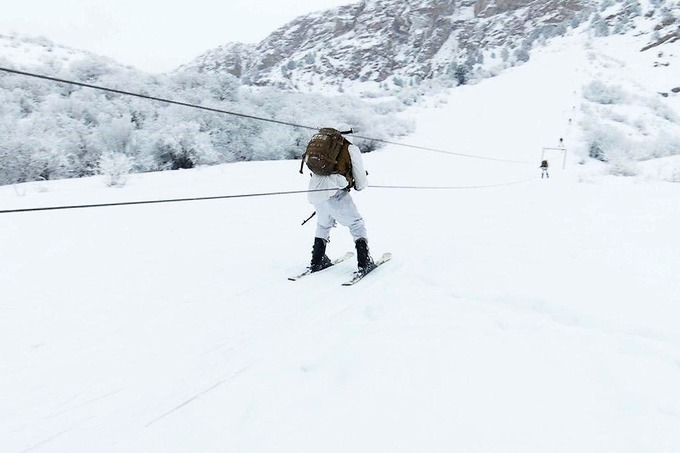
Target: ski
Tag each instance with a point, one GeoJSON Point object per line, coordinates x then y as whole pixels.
{"type": "Point", "coordinates": [358, 275]}
{"type": "Point", "coordinates": [308, 271]}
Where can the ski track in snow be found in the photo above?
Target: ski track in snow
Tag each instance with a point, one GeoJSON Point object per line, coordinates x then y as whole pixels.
{"type": "Point", "coordinates": [195, 397]}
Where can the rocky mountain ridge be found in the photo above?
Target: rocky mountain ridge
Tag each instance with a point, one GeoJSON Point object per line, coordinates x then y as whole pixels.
{"type": "Point", "coordinates": [396, 43]}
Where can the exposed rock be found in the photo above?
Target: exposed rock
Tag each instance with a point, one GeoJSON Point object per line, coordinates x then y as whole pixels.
{"type": "Point", "coordinates": [376, 40]}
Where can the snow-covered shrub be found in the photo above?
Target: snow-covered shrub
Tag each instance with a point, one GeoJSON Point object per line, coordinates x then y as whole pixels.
{"type": "Point", "coordinates": [596, 151]}
{"type": "Point", "coordinates": [276, 143]}
{"type": "Point", "coordinates": [663, 111]}
{"type": "Point", "coordinates": [606, 4]}
{"type": "Point", "coordinates": [674, 174]}
{"type": "Point", "coordinates": [641, 139]}
{"type": "Point", "coordinates": [599, 25]}
{"type": "Point", "coordinates": [578, 19]}
{"type": "Point", "coordinates": [523, 53]}
{"type": "Point", "coordinates": [603, 141]}
{"type": "Point", "coordinates": [667, 17]}
{"type": "Point", "coordinates": [13, 159]}
{"type": "Point", "coordinates": [115, 167]}
{"type": "Point", "coordinates": [630, 9]}
{"type": "Point", "coordinates": [88, 71]}
{"type": "Point", "coordinates": [665, 144]}
{"type": "Point", "coordinates": [117, 135]}
{"type": "Point", "coordinates": [182, 145]}
{"type": "Point", "coordinates": [602, 93]}
{"type": "Point", "coordinates": [621, 167]}
{"type": "Point", "coordinates": [48, 162]}
{"type": "Point", "coordinates": [620, 126]}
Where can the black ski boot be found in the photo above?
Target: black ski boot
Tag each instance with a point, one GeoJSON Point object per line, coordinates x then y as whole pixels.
{"type": "Point", "coordinates": [319, 258]}
{"type": "Point", "coordinates": [364, 260]}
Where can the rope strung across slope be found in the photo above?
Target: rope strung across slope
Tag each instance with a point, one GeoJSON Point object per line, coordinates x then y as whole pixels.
{"type": "Point", "coordinates": [247, 195]}
{"type": "Point", "coordinates": [170, 200]}
{"type": "Point", "coordinates": [252, 117]}
{"type": "Point", "coordinates": [215, 110]}
{"type": "Point", "coordinates": [453, 153]}
{"type": "Point", "coordinates": [488, 186]}
{"type": "Point", "coordinates": [151, 98]}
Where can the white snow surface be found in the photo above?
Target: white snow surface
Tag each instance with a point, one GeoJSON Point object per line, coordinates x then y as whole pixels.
{"type": "Point", "coordinates": [540, 316]}
{"type": "Point", "coordinates": [23, 52]}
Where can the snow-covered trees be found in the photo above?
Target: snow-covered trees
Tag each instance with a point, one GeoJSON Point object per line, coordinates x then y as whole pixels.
{"type": "Point", "coordinates": [51, 130]}
{"type": "Point", "coordinates": [622, 126]}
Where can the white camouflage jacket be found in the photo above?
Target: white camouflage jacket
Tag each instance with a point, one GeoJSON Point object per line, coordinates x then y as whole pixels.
{"type": "Point", "coordinates": [338, 182]}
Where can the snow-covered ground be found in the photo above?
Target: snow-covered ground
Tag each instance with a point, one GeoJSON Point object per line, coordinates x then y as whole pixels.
{"type": "Point", "coordinates": [532, 316]}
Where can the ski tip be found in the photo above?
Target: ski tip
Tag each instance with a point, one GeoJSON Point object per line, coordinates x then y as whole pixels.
{"type": "Point", "coordinates": [359, 276]}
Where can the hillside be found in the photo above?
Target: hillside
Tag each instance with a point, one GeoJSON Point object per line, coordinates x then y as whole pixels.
{"type": "Point", "coordinates": [52, 130]}
{"type": "Point", "coordinates": [22, 52]}
{"type": "Point", "coordinates": [355, 66]}
{"type": "Point", "coordinates": [534, 315]}
{"type": "Point", "coordinates": [378, 47]}
{"type": "Point", "coordinates": [394, 44]}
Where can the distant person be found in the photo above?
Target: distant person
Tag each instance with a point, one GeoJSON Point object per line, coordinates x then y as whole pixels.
{"type": "Point", "coordinates": [337, 166]}
{"type": "Point", "coordinates": [561, 143]}
{"type": "Point", "coordinates": [544, 169]}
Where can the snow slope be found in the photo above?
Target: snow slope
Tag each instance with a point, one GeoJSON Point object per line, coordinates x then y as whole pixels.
{"type": "Point", "coordinates": [531, 316]}
{"type": "Point", "coordinates": [25, 52]}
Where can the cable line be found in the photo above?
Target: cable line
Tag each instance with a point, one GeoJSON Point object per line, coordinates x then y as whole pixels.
{"type": "Point", "coordinates": [152, 98]}
{"type": "Point", "coordinates": [247, 195]}
{"type": "Point", "coordinates": [241, 115]}
{"type": "Point", "coordinates": [488, 186]}
{"type": "Point", "coordinates": [171, 200]}
{"type": "Point", "coordinates": [252, 117]}
{"type": "Point", "coordinates": [424, 148]}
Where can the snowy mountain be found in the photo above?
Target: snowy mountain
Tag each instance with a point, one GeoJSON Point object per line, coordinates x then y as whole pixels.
{"type": "Point", "coordinates": [518, 314]}
{"type": "Point", "coordinates": [26, 52]}
{"type": "Point", "coordinates": [413, 49]}
{"type": "Point", "coordinates": [354, 66]}
{"type": "Point", "coordinates": [392, 41]}
{"type": "Point", "coordinates": [397, 43]}
{"type": "Point", "coordinates": [51, 130]}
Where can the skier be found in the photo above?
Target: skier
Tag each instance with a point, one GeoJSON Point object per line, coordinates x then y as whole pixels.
{"type": "Point", "coordinates": [336, 205]}
{"type": "Point", "coordinates": [544, 169]}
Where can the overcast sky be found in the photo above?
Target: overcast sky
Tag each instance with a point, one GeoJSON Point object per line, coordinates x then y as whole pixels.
{"type": "Point", "coordinates": [153, 35]}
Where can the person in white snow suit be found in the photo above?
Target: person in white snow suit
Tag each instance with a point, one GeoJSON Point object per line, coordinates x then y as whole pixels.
{"type": "Point", "coordinates": [544, 169]}
{"type": "Point", "coordinates": [335, 205]}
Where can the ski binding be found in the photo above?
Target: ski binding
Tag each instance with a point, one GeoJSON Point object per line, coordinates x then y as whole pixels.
{"type": "Point", "coordinates": [358, 275]}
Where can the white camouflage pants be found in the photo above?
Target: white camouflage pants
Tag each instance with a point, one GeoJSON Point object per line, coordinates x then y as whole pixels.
{"type": "Point", "coordinates": [341, 208]}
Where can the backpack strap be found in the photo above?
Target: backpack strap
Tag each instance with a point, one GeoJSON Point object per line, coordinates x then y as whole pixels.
{"type": "Point", "coordinates": [344, 165]}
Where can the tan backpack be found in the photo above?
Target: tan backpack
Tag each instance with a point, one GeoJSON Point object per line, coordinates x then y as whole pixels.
{"type": "Point", "coordinates": [327, 153]}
